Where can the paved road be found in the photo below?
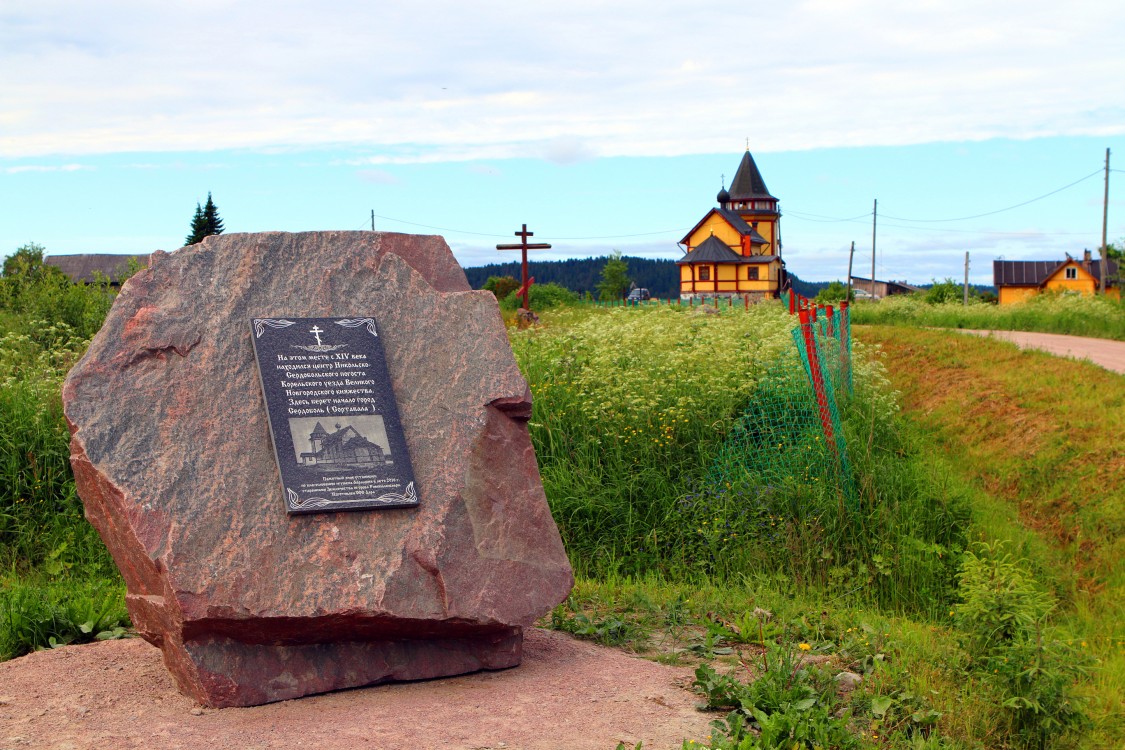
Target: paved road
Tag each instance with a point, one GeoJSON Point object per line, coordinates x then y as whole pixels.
{"type": "Point", "coordinates": [1109, 354]}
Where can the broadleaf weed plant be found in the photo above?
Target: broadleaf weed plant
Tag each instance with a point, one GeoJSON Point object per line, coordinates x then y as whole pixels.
{"type": "Point", "coordinates": [1031, 674]}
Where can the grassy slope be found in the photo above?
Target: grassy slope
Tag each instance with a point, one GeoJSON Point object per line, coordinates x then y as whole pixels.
{"type": "Point", "coordinates": [1039, 438]}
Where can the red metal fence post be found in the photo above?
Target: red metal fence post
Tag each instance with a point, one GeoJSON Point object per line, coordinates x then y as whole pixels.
{"type": "Point", "coordinates": [816, 375]}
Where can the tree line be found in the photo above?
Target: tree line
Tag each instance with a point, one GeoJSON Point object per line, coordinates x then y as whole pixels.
{"type": "Point", "coordinates": [660, 276]}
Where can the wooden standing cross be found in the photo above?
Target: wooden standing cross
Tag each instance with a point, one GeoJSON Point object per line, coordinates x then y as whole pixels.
{"type": "Point", "coordinates": [524, 246]}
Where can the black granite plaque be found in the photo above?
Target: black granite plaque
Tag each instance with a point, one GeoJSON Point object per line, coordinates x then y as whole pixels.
{"type": "Point", "coordinates": [332, 413]}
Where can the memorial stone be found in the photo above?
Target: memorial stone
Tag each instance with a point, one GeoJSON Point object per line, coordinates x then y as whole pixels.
{"type": "Point", "coordinates": [173, 459]}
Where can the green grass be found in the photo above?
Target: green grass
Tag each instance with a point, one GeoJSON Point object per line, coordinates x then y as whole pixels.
{"type": "Point", "coordinates": [634, 411]}
{"type": "Point", "coordinates": [1078, 315]}
{"type": "Point", "coordinates": [57, 582]}
{"type": "Point", "coordinates": [1035, 440]}
{"type": "Point", "coordinates": [633, 407]}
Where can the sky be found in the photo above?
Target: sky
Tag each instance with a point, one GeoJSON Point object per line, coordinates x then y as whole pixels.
{"type": "Point", "coordinates": [979, 126]}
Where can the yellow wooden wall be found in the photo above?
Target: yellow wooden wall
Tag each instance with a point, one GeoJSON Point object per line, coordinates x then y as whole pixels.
{"type": "Point", "coordinates": [730, 277]}
{"type": "Point", "coordinates": [1085, 283]}
{"type": "Point", "coordinates": [1010, 295]}
{"type": "Point", "coordinates": [765, 228]}
{"type": "Point", "coordinates": [719, 227]}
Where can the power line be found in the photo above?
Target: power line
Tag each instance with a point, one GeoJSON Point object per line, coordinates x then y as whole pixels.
{"type": "Point", "coordinates": [802, 216]}
{"type": "Point", "coordinates": [1028, 233]}
{"type": "Point", "coordinates": [823, 219]}
{"type": "Point", "coordinates": [440, 229]}
{"type": "Point", "coordinates": [1009, 208]}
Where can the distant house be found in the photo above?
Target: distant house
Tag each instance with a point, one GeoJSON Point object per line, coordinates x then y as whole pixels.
{"type": "Point", "coordinates": [1018, 280]}
{"type": "Point", "coordinates": [84, 269]}
{"type": "Point", "coordinates": [735, 249]}
{"type": "Point", "coordinates": [863, 290]}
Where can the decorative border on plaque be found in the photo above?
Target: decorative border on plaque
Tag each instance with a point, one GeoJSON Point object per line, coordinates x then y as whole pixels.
{"type": "Point", "coordinates": [393, 497]}
{"type": "Point", "coordinates": [296, 503]}
{"type": "Point", "coordinates": [357, 322]}
{"type": "Point", "coordinates": [261, 323]}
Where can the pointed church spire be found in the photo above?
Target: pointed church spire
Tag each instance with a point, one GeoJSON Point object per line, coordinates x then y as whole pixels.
{"type": "Point", "coordinates": [748, 183]}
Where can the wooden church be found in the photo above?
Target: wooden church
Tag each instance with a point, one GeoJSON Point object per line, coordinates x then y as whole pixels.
{"type": "Point", "coordinates": [735, 249]}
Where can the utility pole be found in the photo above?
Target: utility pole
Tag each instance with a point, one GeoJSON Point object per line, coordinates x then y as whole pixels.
{"type": "Point", "coordinates": [372, 220]}
{"type": "Point", "coordinates": [874, 219]}
{"type": "Point", "coordinates": [1103, 263]}
{"type": "Point", "coordinates": [851, 257]}
{"type": "Point", "coordinates": [966, 302]}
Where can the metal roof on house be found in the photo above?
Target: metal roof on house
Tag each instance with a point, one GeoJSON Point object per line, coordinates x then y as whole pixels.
{"type": "Point", "coordinates": [1112, 267]}
{"type": "Point", "coordinates": [1036, 272]}
{"type": "Point", "coordinates": [714, 250]}
{"type": "Point", "coordinates": [748, 182]}
{"type": "Point", "coordinates": [1023, 272]}
{"type": "Point", "coordinates": [742, 227]}
{"type": "Point", "coordinates": [737, 223]}
{"type": "Point", "coordinates": [82, 268]}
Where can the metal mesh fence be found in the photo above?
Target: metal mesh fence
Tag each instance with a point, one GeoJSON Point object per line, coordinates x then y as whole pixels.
{"type": "Point", "coordinates": [791, 433]}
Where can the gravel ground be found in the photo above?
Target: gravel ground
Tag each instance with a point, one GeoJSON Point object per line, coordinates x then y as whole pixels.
{"type": "Point", "coordinates": [567, 695]}
{"type": "Point", "coordinates": [1105, 352]}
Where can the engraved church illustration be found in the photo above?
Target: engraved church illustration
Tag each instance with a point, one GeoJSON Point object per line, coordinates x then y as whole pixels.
{"type": "Point", "coordinates": [346, 447]}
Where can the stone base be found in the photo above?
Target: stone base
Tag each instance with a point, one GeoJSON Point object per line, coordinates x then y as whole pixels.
{"type": "Point", "coordinates": [221, 672]}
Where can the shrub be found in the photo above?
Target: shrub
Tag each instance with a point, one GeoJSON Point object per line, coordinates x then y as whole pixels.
{"type": "Point", "coordinates": [34, 290]}
{"type": "Point", "coordinates": [541, 297]}
{"type": "Point", "coordinates": [501, 286]}
{"type": "Point", "coordinates": [944, 291]}
{"type": "Point", "coordinates": [833, 293]}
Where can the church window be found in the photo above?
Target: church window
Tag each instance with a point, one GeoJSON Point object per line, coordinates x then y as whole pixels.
{"type": "Point", "coordinates": [752, 273]}
{"type": "Point", "coordinates": [705, 273]}
{"type": "Point", "coordinates": [1072, 273]}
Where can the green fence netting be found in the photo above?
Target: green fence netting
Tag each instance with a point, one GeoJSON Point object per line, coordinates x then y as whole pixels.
{"type": "Point", "coordinates": [790, 436]}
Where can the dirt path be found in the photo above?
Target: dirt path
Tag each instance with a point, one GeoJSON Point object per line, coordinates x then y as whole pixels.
{"type": "Point", "coordinates": [1105, 352]}
{"type": "Point", "coordinates": [567, 695]}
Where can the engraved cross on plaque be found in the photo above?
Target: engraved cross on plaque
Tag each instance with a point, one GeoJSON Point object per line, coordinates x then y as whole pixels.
{"type": "Point", "coordinates": [524, 246]}
{"type": "Point", "coordinates": [316, 331]}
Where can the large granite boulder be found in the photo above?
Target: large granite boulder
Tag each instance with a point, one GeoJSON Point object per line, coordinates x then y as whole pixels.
{"type": "Point", "coordinates": [172, 455]}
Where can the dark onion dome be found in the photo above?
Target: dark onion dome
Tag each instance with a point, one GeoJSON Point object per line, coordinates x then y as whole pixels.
{"type": "Point", "coordinates": [723, 196]}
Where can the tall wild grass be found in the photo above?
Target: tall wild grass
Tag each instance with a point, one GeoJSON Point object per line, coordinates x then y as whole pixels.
{"type": "Point", "coordinates": [632, 409]}
{"type": "Point", "coordinates": [57, 580]}
{"type": "Point", "coordinates": [1074, 314]}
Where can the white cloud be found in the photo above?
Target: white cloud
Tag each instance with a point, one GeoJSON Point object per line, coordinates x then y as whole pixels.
{"type": "Point", "coordinates": [45, 168]}
{"type": "Point", "coordinates": [492, 79]}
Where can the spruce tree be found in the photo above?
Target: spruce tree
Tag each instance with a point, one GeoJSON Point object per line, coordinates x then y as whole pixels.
{"type": "Point", "coordinates": [205, 223]}
{"type": "Point", "coordinates": [211, 214]}
{"type": "Point", "coordinates": [198, 227]}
